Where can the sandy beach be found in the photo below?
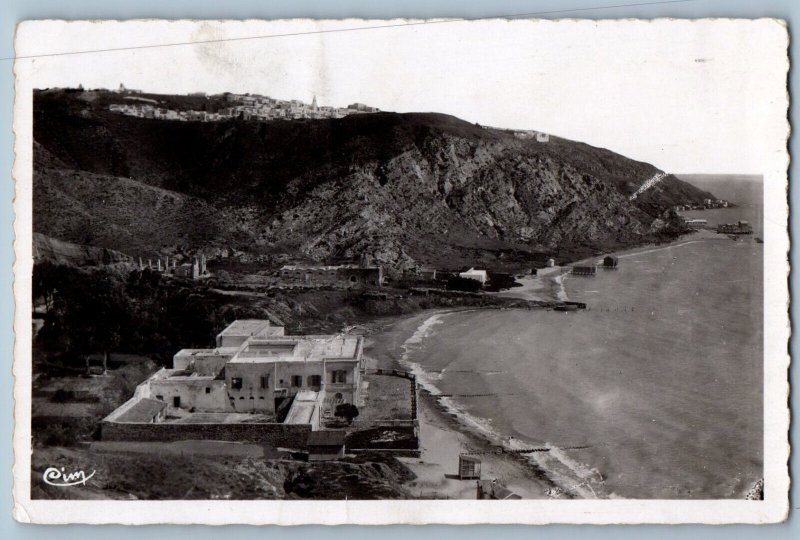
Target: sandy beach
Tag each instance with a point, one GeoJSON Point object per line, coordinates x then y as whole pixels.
{"type": "Point", "coordinates": [581, 411]}
{"type": "Point", "coordinates": [444, 436]}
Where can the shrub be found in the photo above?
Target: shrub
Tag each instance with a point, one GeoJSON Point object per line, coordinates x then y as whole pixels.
{"type": "Point", "coordinates": [347, 411]}
{"type": "Point", "coordinates": [458, 283]}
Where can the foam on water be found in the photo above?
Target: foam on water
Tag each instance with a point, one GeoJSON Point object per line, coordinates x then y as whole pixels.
{"type": "Point", "coordinates": [561, 294]}
{"type": "Point", "coordinates": [610, 460]}
{"type": "Point", "coordinates": [413, 344]}
{"type": "Point", "coordinates": [566, 472]}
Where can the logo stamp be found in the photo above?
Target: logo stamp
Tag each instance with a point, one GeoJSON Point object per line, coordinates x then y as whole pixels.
{"type": "Point", "coordinates": [60, 478]}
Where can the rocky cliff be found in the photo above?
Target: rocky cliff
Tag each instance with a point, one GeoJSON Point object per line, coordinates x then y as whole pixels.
{"type": "Point", "coordinates": [408, 189]}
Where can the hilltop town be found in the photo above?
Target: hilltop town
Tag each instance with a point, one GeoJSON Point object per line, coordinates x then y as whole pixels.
{"type": "Point", "coordinates": [236, 106]}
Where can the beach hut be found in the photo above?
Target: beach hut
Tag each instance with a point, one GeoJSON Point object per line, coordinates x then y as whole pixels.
{"type": "Point", "coordinates": [584, 270]}
{"type": "Point", "coordinates": [469, 467]}
{"type": "Point", "coordinates": [609, 261]}
{"type": "Point", "coordinates": [490, 489]}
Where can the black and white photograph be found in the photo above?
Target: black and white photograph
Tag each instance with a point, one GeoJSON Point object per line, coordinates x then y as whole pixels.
{"type": "Point", "coordinates": [401, 271]}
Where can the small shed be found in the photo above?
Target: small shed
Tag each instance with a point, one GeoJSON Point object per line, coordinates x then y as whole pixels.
{"type": "Point", "coordinates": [609, 261]}
{"type": "Point", "coordinates": [325, 445]}
{"type": "Point", "coordinates": [469, 467]}
{"type": "Point", "coordinates": [490, 489]}
{"type": "Point", "coordinates": [551, 263]}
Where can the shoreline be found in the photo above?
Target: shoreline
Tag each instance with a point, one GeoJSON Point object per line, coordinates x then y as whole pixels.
{"type": "Point", "coordinates": [444, 434]}
{"type": "Point", "coordinates": [549, 288]}
{"type": "Point", "coordinates": [446, 431]}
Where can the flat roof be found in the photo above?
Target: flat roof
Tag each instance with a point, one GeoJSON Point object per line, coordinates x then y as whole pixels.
{"type": "Point", "coordinates": [142, 411]}
{"type": "Point", "coordinates": [302, 409]}
{"type": "Point", "coordinates": [305, 348]}
{"type": "Point", "coordinates": [269, 331]}
{"type": "Point", "coordinates": [244, 327]}
{"type": "Point", "coordinates": [222, 351]}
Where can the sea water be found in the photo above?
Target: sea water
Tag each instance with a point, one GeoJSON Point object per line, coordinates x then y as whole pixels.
{"type": "Point", "coordinates": [655, 391]}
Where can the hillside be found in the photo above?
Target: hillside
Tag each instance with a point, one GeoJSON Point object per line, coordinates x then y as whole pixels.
{"type": "Point", "coordinates": [59, 251]}
{"type": "Point", "coordinates": [409, 189]}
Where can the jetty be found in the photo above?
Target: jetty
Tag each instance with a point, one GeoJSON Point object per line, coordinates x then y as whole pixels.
{"type": "Point", "coordinates": [740, 227]}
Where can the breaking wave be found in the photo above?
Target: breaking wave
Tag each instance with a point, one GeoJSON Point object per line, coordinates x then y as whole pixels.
{"type": "Point", "coordinates": [569, 474]}
{"type": "Point", "coordinates": [561, 293]}
{"type": "Point", "coordinates": [414, 344]}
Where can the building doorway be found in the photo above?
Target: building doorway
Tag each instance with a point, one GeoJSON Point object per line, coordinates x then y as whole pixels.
{"type": "Point", "coordinates": [176, 402]}
{"type": "Point", "coordinates": [315, 382]}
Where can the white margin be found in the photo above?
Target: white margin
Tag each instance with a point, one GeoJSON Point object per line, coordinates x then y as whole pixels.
{"type": "Point", "coordinates": [773, 508]}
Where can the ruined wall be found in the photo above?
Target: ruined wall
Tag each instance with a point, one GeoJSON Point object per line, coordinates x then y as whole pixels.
{"type": "Point", "coordinates": [343, 276]}
{"type": "Point", "coordinates": [284, 435]}
{"type": "Point", "coordinates": [362, 276]}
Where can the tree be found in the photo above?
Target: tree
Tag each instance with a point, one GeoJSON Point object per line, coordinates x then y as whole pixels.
{"type": "Point", "coordinates": [95, 317]}
{"type": "Point", "coordinates": [46, 280]}
{"type": "Point", "coordinates": [348, 411]}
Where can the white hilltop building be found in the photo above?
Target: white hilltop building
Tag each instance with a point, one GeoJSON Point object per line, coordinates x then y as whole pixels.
{"type": "Point", "coordinates": [253, 368]}
{"type": "Point", "coordinates": [477, 275]}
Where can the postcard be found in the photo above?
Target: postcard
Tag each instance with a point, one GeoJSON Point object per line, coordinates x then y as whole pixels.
{"type": "Point", "coordinates": [401, 271]}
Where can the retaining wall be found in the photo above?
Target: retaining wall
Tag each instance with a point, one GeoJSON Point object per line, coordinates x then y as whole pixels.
{"type": "Point", "coordinates": [284, 435]}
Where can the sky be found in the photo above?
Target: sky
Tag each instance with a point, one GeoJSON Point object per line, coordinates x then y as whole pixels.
{"type": "Point", "coordinates": [688, 97]}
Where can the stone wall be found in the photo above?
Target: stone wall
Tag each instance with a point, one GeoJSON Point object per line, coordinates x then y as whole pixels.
{"type": "Point", "coordinates": [284, 435]}
{"type": "Point", "coordinates": [333, 275]}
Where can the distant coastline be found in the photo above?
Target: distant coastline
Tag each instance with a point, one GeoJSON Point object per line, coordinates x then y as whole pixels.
{"type": "Point", "coordinates": [446, 419]}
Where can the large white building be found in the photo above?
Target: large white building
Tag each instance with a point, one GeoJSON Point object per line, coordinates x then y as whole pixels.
{"type": "Point", "coordinates": [255, 366]}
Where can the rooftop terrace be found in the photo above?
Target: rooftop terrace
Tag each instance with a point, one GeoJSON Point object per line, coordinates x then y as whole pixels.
{"type": "Point", "coordinates": [299, 348]}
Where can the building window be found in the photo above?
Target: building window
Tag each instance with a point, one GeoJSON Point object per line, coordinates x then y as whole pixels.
{"type": "Point", "coordinates": [339, 376]}
{"type": "Point", "coordinates": [176, 401]}
{"type": "Point", "coordinates": [208, 390]}
{"type": "Point", "coordinates": [314, 381]}
{"type": "Point", "coordinates": [297, 381]}
{"type": "Point", "coordinates": [236, 383]}
{"type": "Point", "coordinates": [265, 381]}
{"type": "Point", "coordinates": [160, 398]}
